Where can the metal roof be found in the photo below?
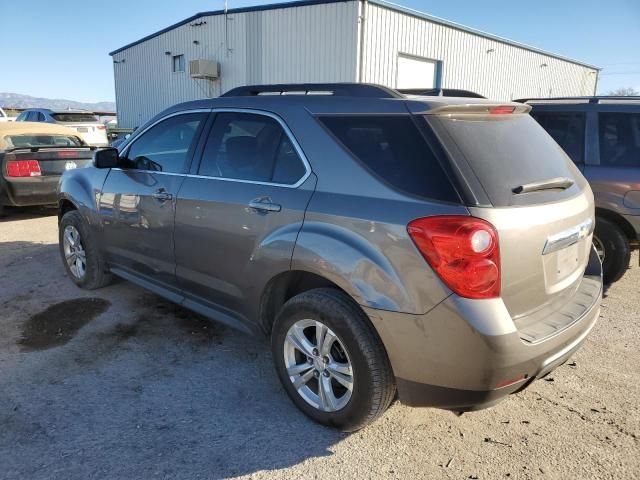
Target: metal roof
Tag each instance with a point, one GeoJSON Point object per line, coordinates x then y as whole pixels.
{"type": "Point", "coordinates": [231, 11]}
{"type": "Point", "coordinates": [380, 3]}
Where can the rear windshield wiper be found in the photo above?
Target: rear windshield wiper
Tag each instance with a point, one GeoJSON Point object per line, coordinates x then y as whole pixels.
{"type": "Point", "coordinates": [561, 183]}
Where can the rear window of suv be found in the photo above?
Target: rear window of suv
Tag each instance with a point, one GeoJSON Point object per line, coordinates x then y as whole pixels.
{"type": "Point", "coordinates": [74, 117]}
{"type": "Point", "coordinates": [505, 152]}
{"type": "Point", "coordinates": [392, 147]}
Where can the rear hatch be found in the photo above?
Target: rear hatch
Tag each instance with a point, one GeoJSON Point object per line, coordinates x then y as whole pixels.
{"type": "Point", "coordinates": [513, 175]}
{"type": "Point", "coordinates": [54, 154]}
{"type": "Point", "coordinates": [53, 161]}
{"type": "Point", "coordinates": [86, 124]}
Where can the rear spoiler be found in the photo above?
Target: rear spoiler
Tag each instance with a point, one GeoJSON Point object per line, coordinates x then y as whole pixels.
{"type": "Point", "coordinates": [480, 109]}
{"type": "Point", "coordinates": [52, 147]}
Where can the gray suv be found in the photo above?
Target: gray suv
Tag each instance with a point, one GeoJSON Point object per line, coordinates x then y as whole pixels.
{"type": "Point", "coordinates": [602, 137]}
{"type": "Point", "coordinates": [437, 247]}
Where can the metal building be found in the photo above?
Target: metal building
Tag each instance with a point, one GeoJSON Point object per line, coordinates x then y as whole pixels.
{"type": "Point", "coordinates": [331, 41]}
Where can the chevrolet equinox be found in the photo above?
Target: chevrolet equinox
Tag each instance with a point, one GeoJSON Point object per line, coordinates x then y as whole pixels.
{"type": "Point", "coordinates": [436, 247]}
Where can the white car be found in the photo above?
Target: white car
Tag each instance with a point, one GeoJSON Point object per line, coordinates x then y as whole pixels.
{"type": "Point", "coordinates": [4, 117]}
{"type": "Point", "coordinates": [92, 131]}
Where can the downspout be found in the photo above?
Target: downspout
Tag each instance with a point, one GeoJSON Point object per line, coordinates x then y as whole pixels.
{"type": "Point", "coordinates": [363, 26]}
{"type": "Point", "coordinates": [226, 29]}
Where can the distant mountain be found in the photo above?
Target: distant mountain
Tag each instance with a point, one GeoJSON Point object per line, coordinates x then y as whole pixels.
{"type": "Point", "coordinates": [25, 101]}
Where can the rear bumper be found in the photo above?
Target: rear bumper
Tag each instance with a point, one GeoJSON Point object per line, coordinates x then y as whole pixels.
{"type": "Point", "coordinates": [23, 192]}
{"type": "Point", "coordinates": [467, 354]}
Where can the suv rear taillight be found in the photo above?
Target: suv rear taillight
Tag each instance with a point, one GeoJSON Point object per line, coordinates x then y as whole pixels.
{"type": "Point", "coordinates": [463, 251]}
{"type": "Point", "coordinates": [23, 168]}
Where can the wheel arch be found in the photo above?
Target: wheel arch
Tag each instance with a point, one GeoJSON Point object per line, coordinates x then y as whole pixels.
{"type": "Point", "coordinates": [65, 205]}
{"type": "Point", "coordinates": [618, 220]}
{"type": "Point", "coordinates": [285, 286]}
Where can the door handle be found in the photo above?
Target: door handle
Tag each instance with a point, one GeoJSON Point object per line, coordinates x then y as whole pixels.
{"type": "Point", "coordinates": [264, 204]}
{"type": "Point", "coordinates": [162, 195]}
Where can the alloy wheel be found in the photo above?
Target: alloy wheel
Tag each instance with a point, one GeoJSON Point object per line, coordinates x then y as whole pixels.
{"type": "Point", "coordinates": [318, 365]}
{"type": "Point", "coordinates": [74, 252]}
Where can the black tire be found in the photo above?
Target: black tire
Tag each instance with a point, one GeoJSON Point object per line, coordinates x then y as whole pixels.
{"type": "Point", "coordinates": [2, 210]}
{"type": "Point", "coordinates": [617, 252]}
{"type": "Point", "coordinates": [373, 381]}
{"type": "Point", "coordinates": [96, 275]}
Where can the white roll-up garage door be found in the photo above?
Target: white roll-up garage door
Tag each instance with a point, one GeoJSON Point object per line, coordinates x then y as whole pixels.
{"type": "Point", "coordinates": [416, 72]}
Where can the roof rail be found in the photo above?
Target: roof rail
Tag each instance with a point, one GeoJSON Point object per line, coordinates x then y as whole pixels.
{"type": "Point", "coordinates": [440, 92]}
{"type": "Point", "coordinates": [336, 89]}
{"type": "Point", "coordinates": [593, 99]}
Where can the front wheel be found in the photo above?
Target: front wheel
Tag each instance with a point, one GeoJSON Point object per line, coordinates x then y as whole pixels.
{"type": "Point", "coordinates": [331, 361]}
{"type": "Point", "coordinates": [80, 254]}
{"type": "Point", "coordinates": [613, 249]}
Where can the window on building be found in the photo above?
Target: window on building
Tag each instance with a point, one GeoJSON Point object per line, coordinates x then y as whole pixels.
{"type": "Point", "coordinates": [178, 63]}
{"type": "Point", "coordinates": [244, 146]}
{"type": "Point", "coordinates": [567, 129]}
{"type": "Point", "coordinates": [619, 139]}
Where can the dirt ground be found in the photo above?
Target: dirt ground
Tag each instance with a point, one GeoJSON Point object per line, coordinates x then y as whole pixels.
{"type": "Point", "coordinates": [118, 383]}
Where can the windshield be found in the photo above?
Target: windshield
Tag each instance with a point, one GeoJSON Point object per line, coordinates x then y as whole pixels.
{"type": "Point", "coordinates": [505, 152]}
{"type": "Point", "coordinates": [18, 141]}
{"type": "Point", "coordinates": [74, 117]}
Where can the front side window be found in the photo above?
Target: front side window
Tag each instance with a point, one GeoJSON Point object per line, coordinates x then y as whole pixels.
{"type": "Point", "coordinates": [619, 139]}
{"type": "Point", "coordinates": [567, 129]}
{"type": "Point", "coordinates": [178, 63]}
{"type": "Point", "coordinates": [251, 147]}
{"type": "Point", "coordinates": [166, 146]}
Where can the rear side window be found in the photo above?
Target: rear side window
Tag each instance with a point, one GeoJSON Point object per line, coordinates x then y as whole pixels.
{"type": "Point", "coordinates": [619, 139]}
{"type": "Point", "coordinates": [505, 152]}
{"type": "Point", "coordinates": [74, 117]}
{"type": "Point", "coordinates": [250, 147]}
{"type": "Point", "coordinates": [567, 129]}
{"type": "Point", "coordinates": [392, 147]}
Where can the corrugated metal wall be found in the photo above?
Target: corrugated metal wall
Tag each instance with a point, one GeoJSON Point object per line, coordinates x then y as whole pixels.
{"type": "Point", "coordinates": [311, 43]}
{"type": "Point", "coordinates": [495, 69]}
{"type": "Point", "coordinates": [321, 43]}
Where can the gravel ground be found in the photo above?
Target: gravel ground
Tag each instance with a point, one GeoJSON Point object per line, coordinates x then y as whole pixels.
{"type": "Point", "coordinates": [118, 383]}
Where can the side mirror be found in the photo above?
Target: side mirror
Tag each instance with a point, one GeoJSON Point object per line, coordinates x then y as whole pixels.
{"type": "Point", "coordinates": [106, 158]}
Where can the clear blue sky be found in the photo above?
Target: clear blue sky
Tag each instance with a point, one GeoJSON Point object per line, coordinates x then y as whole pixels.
{"type": "Point", "coordinates": [61, 48]}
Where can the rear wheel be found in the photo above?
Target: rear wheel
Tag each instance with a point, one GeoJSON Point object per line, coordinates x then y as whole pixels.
{"type": "Point", "coordinates": [80, 255]}
{"type": "Point", "coordinates": [613, 249]}
{"type": "Point", "coordinates": [331, 361]}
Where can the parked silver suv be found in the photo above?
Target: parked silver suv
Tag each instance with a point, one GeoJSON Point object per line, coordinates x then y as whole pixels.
{"type": "Point", "coordinates": [440, 246]}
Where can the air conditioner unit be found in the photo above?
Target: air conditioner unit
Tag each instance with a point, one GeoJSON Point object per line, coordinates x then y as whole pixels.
{"type": "Point", "coordinates": [204, 69]}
